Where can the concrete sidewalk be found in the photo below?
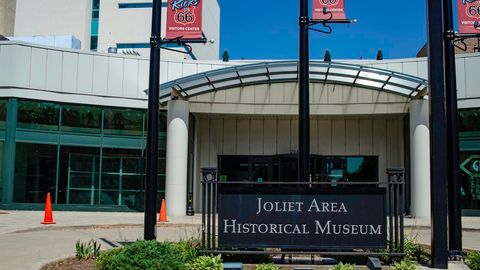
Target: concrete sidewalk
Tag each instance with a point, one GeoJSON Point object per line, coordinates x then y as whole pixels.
{"type": "Point", "coordinates": [17, 221]}
{"type": "Point", "coordinates": [27, 244]}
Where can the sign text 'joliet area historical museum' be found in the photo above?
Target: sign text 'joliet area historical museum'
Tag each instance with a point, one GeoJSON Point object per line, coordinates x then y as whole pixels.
{"type": "Point", "coordinates": [305, 219]}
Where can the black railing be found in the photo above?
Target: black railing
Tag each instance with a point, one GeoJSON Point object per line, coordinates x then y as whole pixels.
{"type": "Point", "coordinates": [394, 190]}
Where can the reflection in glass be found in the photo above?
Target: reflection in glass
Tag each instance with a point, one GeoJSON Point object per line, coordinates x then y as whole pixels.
{"type": "Point", "coordinates": [469, 120]}
{"type": "Point", "coordinates": [3, 112]}
{"type": "Point", "coordinates": [234, 168]}
{"type": "Point", "coordinates": [334, 169]}
{"type": "Point", "coordinates": [38, 115]}
{"type": "Point", "coordinates": [35, 172]}
{"type": "Point", "coordinates": [362, 169]}
{"type": "Point", "coordinates": [81, 118]}
{"type": "Point", "coordinates": [78, 181]}
{"type": "Point", "coordinates": [123, 122]}
{"type": "Point", "coordinates": [470, 189]}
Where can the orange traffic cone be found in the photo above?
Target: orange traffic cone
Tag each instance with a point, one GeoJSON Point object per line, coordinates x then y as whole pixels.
{"type": "Point", "coordinates": [163, 213]}
{"type": "Point", "coordinates": [48, 218]}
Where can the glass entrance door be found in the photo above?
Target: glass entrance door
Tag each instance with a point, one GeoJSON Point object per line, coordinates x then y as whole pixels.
{"type": "Point", "coordinates": [261, 169]}
{"type": "Point", "coordinates": [470, 179]}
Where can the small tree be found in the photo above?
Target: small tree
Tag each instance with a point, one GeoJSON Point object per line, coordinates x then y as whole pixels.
{"type": "Point", "coordinates": [380, 54]}
{"type": "Point", "coordinates": [327, 57]}
{"type": "Point", "coordinates": [225, 56]}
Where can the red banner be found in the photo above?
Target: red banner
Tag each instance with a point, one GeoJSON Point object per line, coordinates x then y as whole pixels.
{"type": "Point", "coordinates": [336, 7]}
{"type": "Point", "coordinates": [468, 15]}
{"type": "Point", "coordinates": [184, 19]}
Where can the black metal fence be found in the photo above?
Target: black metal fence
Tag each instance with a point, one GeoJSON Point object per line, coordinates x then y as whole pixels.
{"type": "Point", "coordinates": [395, 193]}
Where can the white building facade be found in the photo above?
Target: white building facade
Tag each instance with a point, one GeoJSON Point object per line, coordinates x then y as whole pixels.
{"type": "Point", "coordinates": [100, 24]}
{"type": "Point", "coordinates": [63, 109]}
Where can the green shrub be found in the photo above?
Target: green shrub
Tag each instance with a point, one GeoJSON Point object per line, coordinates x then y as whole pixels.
{"type": "Point", "coordinates": [146, 255]}
{"type": "Point", "coordinates": [413, 251]}
{"type": "Point", "coordinates": [269, 266]}
{"type": "Point", "coordinates": [342, 266]}
{"type": "Point", "coordinates": [404, 265]}
{"type": "Point", "coordinates": [105, 258]}
{"type": "Point", "coordinates": [206, 263]}
{"type": "Point", "coordinates": [473, 260]}
{"type": "Point", "coordinates": [85, 251]}
{"type": "Point", "coordinates": [189, 248]}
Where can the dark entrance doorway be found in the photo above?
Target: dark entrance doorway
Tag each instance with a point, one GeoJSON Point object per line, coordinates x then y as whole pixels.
{"type": "Point", "coordinates": [284, 168]}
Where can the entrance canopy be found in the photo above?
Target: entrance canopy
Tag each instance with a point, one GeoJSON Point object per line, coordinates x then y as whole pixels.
{"type": "Point", "coordinates": [287, 71]}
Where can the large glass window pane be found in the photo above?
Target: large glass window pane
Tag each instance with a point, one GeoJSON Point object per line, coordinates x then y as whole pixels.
{"type": "Point", "coordinates": [123, 122]}
{"type": "Point", "coordinates": [79, 175]}
{"type": "Point", "coordinates": [3, 112]}
{"type": "Point", "coordinates": [38, 115]}
{"type": "Point", "coordinates": [35, 172]}
{"type": "Point", "coordinates": [81, 118]}
{"type": "Point", "coordinates": [122, 178]}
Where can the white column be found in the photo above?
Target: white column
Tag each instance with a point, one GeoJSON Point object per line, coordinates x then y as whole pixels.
{"type": "Point", "coordinates": [420, 158]}
{"type": "Point", "coordinates": [177, 158]}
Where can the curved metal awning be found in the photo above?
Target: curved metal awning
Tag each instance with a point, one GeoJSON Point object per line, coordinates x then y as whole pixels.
{"type": "Point", "coordinates": [287, 71]}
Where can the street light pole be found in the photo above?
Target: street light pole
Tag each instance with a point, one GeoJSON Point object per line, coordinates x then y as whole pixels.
{"type": "Point", "coordinates": [454, 206]}
{"type": "Point", "coordinates": [304, 103]}
{"type": "Point", "coordinates": [152, 125]}
{"type": "Point", "coordinates": [438, 133]}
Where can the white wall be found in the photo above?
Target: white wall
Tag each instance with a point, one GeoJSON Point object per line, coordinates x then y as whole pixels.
{"type": "Point", "coordinates": [282, 99]}
{"type": "Point", "coordinates": [54, 17]}
{"type": "Point", "coordinates": [467, 66]}
{"type": "Point", "coordinates": [47, 73]}
{"type": "Point", "coordinates": [7, 17]}
{"type": "Point", "coordinates": [61, 74]}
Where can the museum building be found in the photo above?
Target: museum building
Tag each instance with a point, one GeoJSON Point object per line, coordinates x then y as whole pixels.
{"type": "Point", "coordinates": [72, 123]}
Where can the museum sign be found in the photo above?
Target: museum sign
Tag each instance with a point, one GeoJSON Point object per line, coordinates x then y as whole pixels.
{"type": "Point", "coordinates": [306, 219]}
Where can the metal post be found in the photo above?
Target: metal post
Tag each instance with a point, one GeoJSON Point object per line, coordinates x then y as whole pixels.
{"type": "Point", "coordinates": [454, 206]}
{"type": "Point", "coordinates": [304, 106]}
{"type": "Point", "coordinates": [438, 134]}
{"type": "Point", "coordinates": [152, 125]}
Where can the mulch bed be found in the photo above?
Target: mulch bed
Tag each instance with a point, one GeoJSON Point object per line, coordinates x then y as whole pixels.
{"type": "Point", "coordinates": [71, 264]}
{"type": "Point", "coordinates": [4, 213]}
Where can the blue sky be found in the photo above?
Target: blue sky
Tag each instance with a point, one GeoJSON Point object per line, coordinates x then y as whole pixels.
{"type": "Point", "coordinates": [268, 29]}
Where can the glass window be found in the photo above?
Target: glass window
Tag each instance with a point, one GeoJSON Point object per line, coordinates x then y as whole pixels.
{"type": "Point", "coordinates": [234, 168]}
{"type": "Point", "coordinates": [122, 180]}
{"type": "Point", "coordinates": [38, 115]}
{"type": "Point", "coordinates": [469, 120]}
{"type": "Point", "coordinates": [79, 175]}
{"type": "Point", "coordinates": [334, 169]}
{"type": "Point", "coordinates": [123, 122]}
{"type": "Point", "coordinates": [94, 27]}
{"type": "Point", "coordinates": [1, 170]}
{"type": "Point", "coordinates": [93, 43]}
{"type": "Point", "coordinates": [35, 172]}
{"type": "Point", "coordinates": [81, 118]}
{"type": "Point", "coordinates": [470, 189]}
{"type": "Point", "coordinates": [3, 112]}
{"type": "Point", "coordinates": [362, 169]}
{"type": "Point", "coordinates": [95, 4]}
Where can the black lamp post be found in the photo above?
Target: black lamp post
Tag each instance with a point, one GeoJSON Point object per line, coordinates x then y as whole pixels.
{"type": "Point", "coordinates": [438, 133]}
{"type": "Point", "coordinates": [304, 106]}
{"type": "Point", "coordinates": [152, 126]}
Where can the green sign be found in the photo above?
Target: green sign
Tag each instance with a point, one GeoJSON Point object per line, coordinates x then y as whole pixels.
{"type": "Point", "coordinates": [471, 166]}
